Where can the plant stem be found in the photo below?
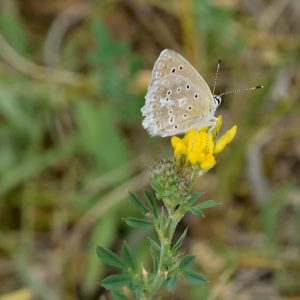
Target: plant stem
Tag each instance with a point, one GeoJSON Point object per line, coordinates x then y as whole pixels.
{"type": "Point", "coordinates": [165, 245]}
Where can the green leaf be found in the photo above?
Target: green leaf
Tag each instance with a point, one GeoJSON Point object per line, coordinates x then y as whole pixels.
{"type": "Point", "coordinates": [194, 277]}
{"type": "Point", "coordinates": [155, 261]}
{"type": "Point", "coordinates": [152, 202]}
{"type": "Point", "coordinates": [179, 241]}
{"type": "Point", "coordinates": [138, 203]}
{"type": "Point", "coordinates": [110, 258]}
{"type": "Point", "coordinates": [207, 204]}
{"type": "Point", "coordinates": [197, 212]}
{"type": "Point", "coordinates": [129, 258]}
{"type": "Point", "coordinates": [171, 283]}
{"type": "Point", "coordinates": [116, 281]}
{"type": "Point", "coordinates": [137, 287]}
{"type": "Point", "coordinates": [193, 198]}
{"type": "Point", "coordinates": [119, 296]}
{"type": "Point", "coordinates": [186, 262]}
{"type": "Point", "coordinates": [138, 223]}
{"type": "Point", "coordinates": [162, 221]}
{"type": "Point", "coordinates": [154, 245]}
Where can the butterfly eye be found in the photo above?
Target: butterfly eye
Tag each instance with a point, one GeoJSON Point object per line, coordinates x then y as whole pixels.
{"type": "Point", "coordinates": [218, 100]}
{"type": "Point", "coordinates": [190, 108]}
{"type": "Point", "coordinates": [184, 115]}
{"type": "Point", "coordinates": [173, 70]}
{"type": "Point", "coordinates": [180, 68]}
{"type": "Point", "coordinates": [169, 92]}
{"type": "Point", "coordinates": [175, 126]}
{"type": "Point", "coordinates": [196, 96]}
{"type": "Point", "coordinates": [188, 86]}
{"type": "Point", "coordinates": [170, 112]}
{"type": "Point", "coordinates": [178, 90]}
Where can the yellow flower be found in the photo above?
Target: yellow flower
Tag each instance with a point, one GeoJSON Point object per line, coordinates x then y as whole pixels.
{"type": "Point", "coordinates": [199, 145]}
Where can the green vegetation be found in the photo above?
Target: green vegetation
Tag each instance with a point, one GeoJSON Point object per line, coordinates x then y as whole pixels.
{"type": "Point", "coordinates": [73, 76]}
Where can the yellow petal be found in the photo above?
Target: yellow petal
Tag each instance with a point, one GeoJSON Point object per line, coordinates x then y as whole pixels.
{"type": "Point", "coordinates": [196, 147]}
{"type": "Point", "coordinates": [189, 137]}
{"type": "Point", "coordinates": [208, 162]}
{"type": "Point", "coordinates": [201, 158]}
{"type": "Point", "coordinates": [175, 141]}
{"type": "Point", "coordinates": [192, 157]}
{"type": "Point", "coordinates": [209, 144]}
{"type": "Point", "coordinates": [200, 142]}
{"type": "Point", "coordinates": [179, 146]}
{"type": "Point", "coordinates": [225, 139]}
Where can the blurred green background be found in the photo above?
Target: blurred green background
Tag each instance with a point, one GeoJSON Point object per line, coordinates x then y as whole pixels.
{"type": "Point", "coordinates": [73, 75]}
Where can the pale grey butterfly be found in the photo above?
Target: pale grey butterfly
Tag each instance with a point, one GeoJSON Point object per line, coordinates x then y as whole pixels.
{"type": "Point", "coordinates": [178, 98]}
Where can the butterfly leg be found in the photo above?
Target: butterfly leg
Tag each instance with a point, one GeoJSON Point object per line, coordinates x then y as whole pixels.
{"type": "Point", "coordinates": [212, 123]}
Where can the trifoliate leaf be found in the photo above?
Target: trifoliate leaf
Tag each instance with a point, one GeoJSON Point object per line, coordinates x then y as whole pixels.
{"type": "Point", "coordinates": [207, 204]}
{"type": "Point", "coordinates": [194, 277]}
{"type": "Point", "coordinates": [197, 212]}
{"type": "Point", "coordinates": [179, 241]}
{"type": "Point", "coordinates": [138, 223]}
{"type": "Point", "coordinates": [193, 198]}
{"type": "Point", "coordinates": [129, 257]}
{"type": "Point", "coordinates": [137, 287]}
{"type": "Point", "coordinates": [119, 296]}
{"type": "Point", "coordinates": [155, 262]}
{"type": "Point", "coordinates": [138, 203]}
{"type": "Point", "coordinates": [152, 202]}
{"type": "Point", "coordinates": [110, 258]}
{"type": "Point", "coordinates": [171, 283]}
{"type": "Point", "coordinates": [162, 220]}
{"type": "Point", "coordinates": [186, 262]}
{"type": "Point", "coordinates": [116, 281]}
{"type": "Point", "coordinates": [154, 245]}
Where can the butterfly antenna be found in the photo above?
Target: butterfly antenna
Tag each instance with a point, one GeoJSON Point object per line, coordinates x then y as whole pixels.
{"type": "Point", "coordinates": [242, 90]}
{"type": "Point", "coordinates": [216, 77]}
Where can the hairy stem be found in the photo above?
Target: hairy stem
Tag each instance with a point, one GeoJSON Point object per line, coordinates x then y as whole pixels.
{"type": "Point", "coordinates": [165, 237]}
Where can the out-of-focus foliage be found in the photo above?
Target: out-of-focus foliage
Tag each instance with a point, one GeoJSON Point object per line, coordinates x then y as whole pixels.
{"type": "Point", "coordinates": [73, 75]}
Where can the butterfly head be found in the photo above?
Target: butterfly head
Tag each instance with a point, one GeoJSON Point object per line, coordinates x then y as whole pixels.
{"type": "Point", "coordinates": [217, 100]}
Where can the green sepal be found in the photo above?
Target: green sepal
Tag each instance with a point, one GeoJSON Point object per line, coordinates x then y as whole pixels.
{"type": "Point", "coordinates": [116, 281]}
{"type": "Point", "coordinates": [194, 277]}
{"type": "Point", "coordinates": [157, 187]}
{"type": "Point", "coordinates": [152, 202]}
{"type": "Point", "coordinates": [138, 223]}
{"type": "Point", "coordinates": [179, 241]}
{"type": "Point", "coordinates": [206, 204]}
{"type": "Point", "coordinates": [154, 244]}
{"type": "Point", "coordinates": [186, 262]}
{"type": "Point", "coordinates": [110, 258]}
{"type": "Point", "coordinates": [138, 203]}
{"type": "Point", "coordinates": [172, 282]}
{"type": "Point", "coordinates": [193, 198]}
{"type": "Point", "coordinates": [119, 296]}
{"type": "Point", "coordinates": [129, 258]}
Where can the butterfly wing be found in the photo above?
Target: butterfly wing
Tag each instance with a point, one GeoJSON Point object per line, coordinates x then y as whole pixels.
{"type": "Point", "coordinates": [174, 105]}
{"type": "Point", "coordinates": [171, 62]}
{"type": "Point", "coordinates": [178, 98]}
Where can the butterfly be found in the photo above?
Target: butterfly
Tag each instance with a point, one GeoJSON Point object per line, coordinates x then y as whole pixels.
{"type": "Point", "coordinates": [178, 98]}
